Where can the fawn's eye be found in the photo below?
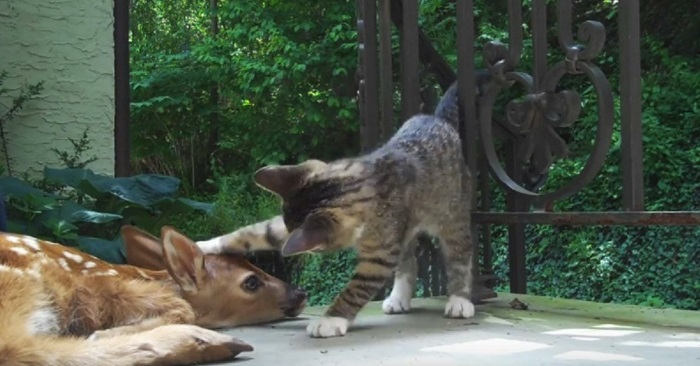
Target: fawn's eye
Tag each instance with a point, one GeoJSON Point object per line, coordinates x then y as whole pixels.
{"type": "Point", "coordinates": [252, 283]}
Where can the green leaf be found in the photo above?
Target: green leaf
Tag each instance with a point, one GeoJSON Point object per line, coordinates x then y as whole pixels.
{"type": "Point", "coordinates": [112, 251]}
{"type": "Point", "coordinates": [93, 217]}
{"type": "Point", "coordinates": [72, 212]}
{"type": "Point", "coordinates": [142, 189]}
{"type": "Point", "coordinates": [205, 207]}
{"type": "Point", "coordinates": [17, 188]}
{"type": "Point", "coordinates": [32, 228]}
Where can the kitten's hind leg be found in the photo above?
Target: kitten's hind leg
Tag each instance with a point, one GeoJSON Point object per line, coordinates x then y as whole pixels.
{"type": "Point", "coordinates": [399, 300]}
{"type": "Point", "coordinates": [457, 248]}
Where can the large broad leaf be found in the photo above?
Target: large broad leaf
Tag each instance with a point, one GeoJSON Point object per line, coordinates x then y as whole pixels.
{"type": "Point", "coordinates": [206, 207]}
{"type": "Point", "coordinates": [142, 189]}
{"type": "Point", "coordinates": [73, 178]}
{"type": "Point", "coordinates": [73, 212]}
{"type": "Point", "coordinates": [69, 213]}
{"type": "Point", "coordinates": [12, 187]}
{"type": "Point", "coordinates": [60, 229]}
{"type": "Point", "coordinates": [32, 228]}
{"type": "Point", "coordinates": [32, 204]}
{"type": "Point", "coordinates": [93, 217]}
{"type": "Point", "coordinates": [142, 217]}
{"type": "Point", "coordinates": [112, 251]}
{"type": "Point", "coordinates": [183, 205]}
{"type": "Point", "coordinates": [3, 214]}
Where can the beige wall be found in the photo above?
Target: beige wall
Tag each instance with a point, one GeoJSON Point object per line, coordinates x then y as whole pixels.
{"type": "Point", "coordinates": [70, 46]}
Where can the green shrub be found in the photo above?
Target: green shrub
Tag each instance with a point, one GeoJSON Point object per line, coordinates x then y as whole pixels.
{"type": "Point", "coordinates": [236, 203]}
{"type": "Point", "coordinates": [323, 276]}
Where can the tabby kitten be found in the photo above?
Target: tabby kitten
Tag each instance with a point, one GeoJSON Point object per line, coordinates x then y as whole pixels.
{"type": "Point", "coordinates": [378, 203]}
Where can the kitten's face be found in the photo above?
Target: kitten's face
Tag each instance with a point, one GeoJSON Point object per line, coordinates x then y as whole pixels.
{"type": "Point", "coordinates": [319, 210]}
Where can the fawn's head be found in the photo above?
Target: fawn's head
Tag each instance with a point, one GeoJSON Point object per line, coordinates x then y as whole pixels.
{"type": "Point", "coordinates": [224, 290]}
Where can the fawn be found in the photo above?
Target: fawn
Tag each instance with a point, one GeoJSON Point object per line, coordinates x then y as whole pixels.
{"type": "Point", "coordinates": [52, 297]}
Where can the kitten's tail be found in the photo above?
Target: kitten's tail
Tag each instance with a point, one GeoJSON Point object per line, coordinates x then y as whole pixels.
{"type": "Point", "coordinates": [448, 108]}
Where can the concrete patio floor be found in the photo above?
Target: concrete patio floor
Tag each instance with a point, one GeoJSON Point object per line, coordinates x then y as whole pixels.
{"type": "Point", "coordinates": [550, 332]}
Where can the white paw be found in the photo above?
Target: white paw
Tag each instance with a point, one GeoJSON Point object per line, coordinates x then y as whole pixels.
{"type": "Point", "coordinates": [98, 334]}
{"type": "Point", "coordinates": [211, 246]}
{"type": "Point", "coordinates": [459, 307]}
{"type": "Point", "coordinates": [326, 327]}
{"type": "Point", "coordinates": [399, 300]}
{"type": "Point", "coordinates": [395, 304]}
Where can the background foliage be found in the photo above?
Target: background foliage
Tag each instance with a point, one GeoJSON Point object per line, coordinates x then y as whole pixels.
{"type": "Point", "coordinates": [217, 93]}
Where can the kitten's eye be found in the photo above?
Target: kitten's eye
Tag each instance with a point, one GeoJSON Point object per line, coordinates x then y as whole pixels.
{"type": "Point", "coordinates": [252, 283]}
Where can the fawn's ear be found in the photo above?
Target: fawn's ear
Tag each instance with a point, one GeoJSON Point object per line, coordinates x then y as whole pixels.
{"type": "Point", "coordinates": [183, 259]}
{"type": "Point", "coordinates": [142, 249]}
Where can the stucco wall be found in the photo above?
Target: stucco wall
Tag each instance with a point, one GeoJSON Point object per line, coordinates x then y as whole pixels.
{"type": "Point", "coordinates": [68, 44]}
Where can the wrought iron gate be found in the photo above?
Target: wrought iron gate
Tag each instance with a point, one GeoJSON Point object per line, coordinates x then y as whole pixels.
{"type": "Point", "coordinates": [529, 125]}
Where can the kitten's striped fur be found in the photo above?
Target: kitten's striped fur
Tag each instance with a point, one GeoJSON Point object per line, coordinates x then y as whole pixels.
{"type": "Point", "coordinates": [377, 203]}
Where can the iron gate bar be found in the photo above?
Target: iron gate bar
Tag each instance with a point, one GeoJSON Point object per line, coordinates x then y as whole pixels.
{"type": "Point", "coordinates": [369, 75]}
{"type": "Point", "coordinates": [410, 85]}
{"type": "Point", "coordinates": [466, 83]}
{"type": "Point", "coordinates": [122, 151]}
{"type": "Point", "coordinates": [539, 40]}
{"type": "Point", "coordinates": [631, 218]}
{"type": "Point", "coordinates": [385, 71]}
{"type": "Point", "coordinates": [514, 201]}
{"type": "Point", "coordinates": [631, 107]}
{"type": "Point", "coordinates": [444, 74]}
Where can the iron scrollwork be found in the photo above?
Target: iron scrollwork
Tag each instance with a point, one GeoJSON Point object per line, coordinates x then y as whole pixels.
{"type": "Point", "coordinates": [532, 120]}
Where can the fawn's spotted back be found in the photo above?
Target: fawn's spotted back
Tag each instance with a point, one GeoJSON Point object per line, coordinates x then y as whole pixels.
{"type": "Point", "coordinates": [29, 255]}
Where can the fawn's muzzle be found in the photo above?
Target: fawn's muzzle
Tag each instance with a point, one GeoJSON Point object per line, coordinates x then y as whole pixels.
{"type": "Point", "coordinates": [296, 301]}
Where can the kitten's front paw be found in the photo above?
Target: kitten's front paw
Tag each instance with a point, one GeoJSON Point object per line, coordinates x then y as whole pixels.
{"type": "Point", "coordinates": [396, 305]}
{"type": "Point", "coordinates": [327, 327]}
{"type": "Point", "coordinates": [459, 307]}
{"type": "Point", "coordinates": [101, 334]}
{"type": "Point", "coordinates": [211, 246]}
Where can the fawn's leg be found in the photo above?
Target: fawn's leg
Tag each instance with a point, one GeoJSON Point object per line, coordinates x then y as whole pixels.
{"type": "Point", "coordinates": [181, 344]}
{"type": "Point", "coordinates": [169, 345]}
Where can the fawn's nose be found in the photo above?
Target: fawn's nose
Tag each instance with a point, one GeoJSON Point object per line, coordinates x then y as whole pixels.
{"type": "Point", "coordinates": [296, 301]}
{"type": "Point", "coordinates": [297, 295]}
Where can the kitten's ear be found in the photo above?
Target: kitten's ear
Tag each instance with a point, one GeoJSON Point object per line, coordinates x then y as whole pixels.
{"type": "Point", "coordinates": [283, 180]}
{"type": "Point", "coordinates": [303, 240]}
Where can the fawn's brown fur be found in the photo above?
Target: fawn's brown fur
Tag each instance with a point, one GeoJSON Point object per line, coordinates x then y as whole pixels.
{"type": "Point", "coordinates": [53, 296]}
